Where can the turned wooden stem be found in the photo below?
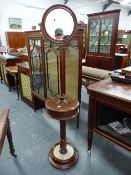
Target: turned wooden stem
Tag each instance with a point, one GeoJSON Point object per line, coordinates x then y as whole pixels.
{"type": "Point", "coordinates": [63, 149]}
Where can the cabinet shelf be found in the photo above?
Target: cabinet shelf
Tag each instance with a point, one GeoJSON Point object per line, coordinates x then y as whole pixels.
{"type": "Point", "coordinates": [110, 112]}
{"type": "Point", "coordinates": [126, 138]}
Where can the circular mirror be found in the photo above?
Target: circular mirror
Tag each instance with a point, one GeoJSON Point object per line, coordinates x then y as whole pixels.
{"type": "Point", "coordinates": [59, 23]}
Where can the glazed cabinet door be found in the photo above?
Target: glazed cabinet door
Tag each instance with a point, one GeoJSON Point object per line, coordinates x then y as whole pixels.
{"type": "Point", "coordinates": [52, 68]}
{"type": "Point", "coordinates": [37, 66]}
{"type": "Point", "coordinates": [102, 37]}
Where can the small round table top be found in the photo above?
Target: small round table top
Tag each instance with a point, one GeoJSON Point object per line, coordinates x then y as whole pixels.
{"type": "Point", "coordinates": [62, 107]}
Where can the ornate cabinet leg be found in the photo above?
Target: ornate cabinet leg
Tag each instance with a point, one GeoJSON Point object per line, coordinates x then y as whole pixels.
{"type": "Point", "coordinates": [78, 120]}
{"type": "Point", "coordinates": [9, 137]}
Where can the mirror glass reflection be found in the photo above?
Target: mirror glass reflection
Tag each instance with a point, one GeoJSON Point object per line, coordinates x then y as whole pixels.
{"type": "Point", "coordinates": [59, 24]}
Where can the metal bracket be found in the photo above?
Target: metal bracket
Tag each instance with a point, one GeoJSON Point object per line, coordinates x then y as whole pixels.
{"type": "Point", "coordinates": [65, 2]}
{"type": "Point", "coordinates": [110, 2]}
{"type": "Point", "coordinates": [129, 12]}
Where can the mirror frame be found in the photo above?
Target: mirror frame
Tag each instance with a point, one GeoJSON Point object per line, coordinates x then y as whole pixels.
{"type": "Point", "coordinates": [59, 6]}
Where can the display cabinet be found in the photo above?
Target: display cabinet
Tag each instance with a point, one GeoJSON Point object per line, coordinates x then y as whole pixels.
{"type": "Point", "coordinates": [102, 38]}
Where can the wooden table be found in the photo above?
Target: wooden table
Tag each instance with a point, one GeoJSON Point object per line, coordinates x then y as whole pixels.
{"type": "Point", "coordinates": [12, 71]}
{"type": "Point", "coordinates": [5, 61]}
{"type": "Point", "coordinates": [5, 130]}
{"type": "Point", "coordinates": [108, 102]}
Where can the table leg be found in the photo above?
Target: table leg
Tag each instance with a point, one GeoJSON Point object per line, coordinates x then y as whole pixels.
{"type": "Point", "coordinates": [17, 86]}
{"type": "Point", "coordinates": [90, 137]}
{"type": "Point", "coordinates": [9, 137]}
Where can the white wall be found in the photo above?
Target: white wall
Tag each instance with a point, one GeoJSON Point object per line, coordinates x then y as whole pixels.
{"type": "Point", "coordinates": [82, 10]}
{"type": "Point", "coordinates": [30, 17]}
{"type": "Point", "coordinates": [33, 16]}
{"type": "Point", "coordinates": [125, 20]}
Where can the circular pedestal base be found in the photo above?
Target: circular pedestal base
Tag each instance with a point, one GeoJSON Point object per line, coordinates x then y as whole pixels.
{"type": "Point", "coordinates": [63, 161]}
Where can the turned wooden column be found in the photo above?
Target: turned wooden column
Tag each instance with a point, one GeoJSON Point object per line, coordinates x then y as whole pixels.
{"type": "Point", "coordinates": [63, 154]}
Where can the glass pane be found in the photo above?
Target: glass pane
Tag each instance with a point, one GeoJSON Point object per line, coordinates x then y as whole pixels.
{"type": "Point", "coordinates": [37, 73]}
{"type": "Point", "coordinates": [72, 69]}
{"type": "Point", "coordinates": [52, 69]}
{"type": "Point", "coordinates": [106, 34]}
{"type": "Point", "coordinates": [94, 35]}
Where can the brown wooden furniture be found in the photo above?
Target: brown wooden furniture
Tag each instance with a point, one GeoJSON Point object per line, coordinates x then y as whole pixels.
{"type": "Point", "coordinates": [15, 39]}
{"type": "Point", "coordinates": [25, 83]}
{"type": "Point", "coordinates": [23, 56]}
{"type": "Point", "coordinates": [12, 72]}
{"type": "Point", "coordinates": [25, 87]}
{"type": "Point", "coordinates": [5, 130]}
{"type": "Point", "coordinates": [62, 155]}
{"type": "Point", "coordinates": [55, 65]}
{"type": "Point", "coordinates": [102, 38]}
{"type": "Point", "coordinates": [121, 48]}
{"type": "Point", "coordinates": [5, 61]}
{"type": "Point", "coordinates": [121, 60]}
{"type": "Point", "coordinates": [129, 52]}
{"type": "Point", "coordinates": [109, 102]}
{"type": "Point", "coordinates": [123, 41]}
{"type": "Point", "coordinates": [82, 29]}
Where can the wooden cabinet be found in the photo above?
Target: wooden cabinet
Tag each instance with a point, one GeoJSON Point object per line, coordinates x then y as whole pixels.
{"type": "Point", "coordinates": [102, 37]}
{"type": "Point", "coordinates": [82, 29]}
{"type": "Point", "coordinates": [55, 68]}
{"type": "Point", "coordinates": [109, 104]}
{"type": "Point", "coordinates": [15, 39]}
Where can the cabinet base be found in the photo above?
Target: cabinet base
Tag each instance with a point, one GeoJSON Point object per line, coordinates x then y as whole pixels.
{"type": "Point", "coordinates": [63, 161]}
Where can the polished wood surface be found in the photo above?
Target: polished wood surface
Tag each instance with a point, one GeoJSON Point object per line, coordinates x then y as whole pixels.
{"type": "Point", "coordinates": [5, 130]}
{"type": "Point", "coordinates": [12, 69]}
{"type": "Point", "coordinates": [62, 107]}
{"type": "Point", "coordinates": [119, 91]}
{"type": "Point", "coordinates": [113, 97]}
